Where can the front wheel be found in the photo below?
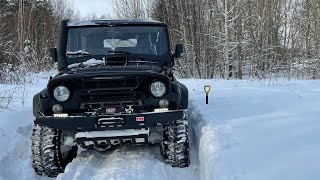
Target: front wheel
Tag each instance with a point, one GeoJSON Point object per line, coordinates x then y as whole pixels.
{"type": "Point", "coordinates": [50, 154]}
{"type": "Point", "coordinates": [175, 145]}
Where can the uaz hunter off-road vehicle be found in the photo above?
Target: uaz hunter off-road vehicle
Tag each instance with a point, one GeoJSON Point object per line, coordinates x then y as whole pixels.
{"type": "Point", "coordinates": [115, 86]}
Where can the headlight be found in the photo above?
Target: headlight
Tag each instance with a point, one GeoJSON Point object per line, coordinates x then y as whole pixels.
{"type": "Point", "coordinates": [61, 93]}
{"type": "Point", "coordinates": [158, 89]}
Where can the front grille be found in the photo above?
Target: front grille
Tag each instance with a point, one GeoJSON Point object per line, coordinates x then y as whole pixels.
{"type": "Point", "coordinates": [112, 84]}
{"type": "Point", "coordinates": [109, 98]}
{"type": "Point", "coordinates": [106, 100]}
{"type": "Point", "coordinates": [103, 92]}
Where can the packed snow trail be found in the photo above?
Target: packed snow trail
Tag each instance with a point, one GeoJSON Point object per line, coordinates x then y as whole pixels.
{"type": "Point", "coordinates": [125, 163]}
{"type": "Point", "coordinates": [128, 162]}
{"type": "Point", "coordinates": [248, 131]}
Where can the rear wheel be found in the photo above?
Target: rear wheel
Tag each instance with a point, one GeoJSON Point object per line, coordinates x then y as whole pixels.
{"type": "Point", "coordinates": [49, 153]}
{"type": "Point", "coordinates": [175, 146]}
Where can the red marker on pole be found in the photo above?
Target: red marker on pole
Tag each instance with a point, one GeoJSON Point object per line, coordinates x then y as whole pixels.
{"type": "Point", "coordinates": [207, 89]}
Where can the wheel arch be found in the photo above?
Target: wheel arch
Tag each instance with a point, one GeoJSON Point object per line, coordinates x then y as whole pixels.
{"type": "Point", "coordinates": [184, 101]}
{"type": "Point", "coordinates": [38, 101]}
{"type": "Point", "coordinates": [36, 105]}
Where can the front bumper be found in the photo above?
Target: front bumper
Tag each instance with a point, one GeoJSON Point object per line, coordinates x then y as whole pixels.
{"type": "Point", "coordinates": [86, 122]}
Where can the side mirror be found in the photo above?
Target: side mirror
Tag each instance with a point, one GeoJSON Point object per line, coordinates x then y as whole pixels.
{"type": "Point", "coordinates": [179, 51]}
{"type": "Point", "coordinates": [54, 54]}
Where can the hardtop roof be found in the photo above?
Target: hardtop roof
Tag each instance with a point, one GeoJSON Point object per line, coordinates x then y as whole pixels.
{"type": "Point", "coordinates": [115, 22]}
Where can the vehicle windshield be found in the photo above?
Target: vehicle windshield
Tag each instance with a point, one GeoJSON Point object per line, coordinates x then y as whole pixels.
{"type": "Point", "coordinates": [139, 40]}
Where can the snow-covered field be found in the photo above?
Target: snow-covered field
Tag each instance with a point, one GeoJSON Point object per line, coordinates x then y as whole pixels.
{"type": "Point", "coordinates": [248, 131]}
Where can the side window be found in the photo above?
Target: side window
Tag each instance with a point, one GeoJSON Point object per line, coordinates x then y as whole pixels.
{"type": "Point", "coordinates": [155, 43]}
{"type": "Point", "coordinates": [70, 44]}
{"type": "Point", "coordinates": [156, 40]}
{"type": "Point", "coordinates": [83, 43]}
{"type": "Point", "coordinates": [74, 43]}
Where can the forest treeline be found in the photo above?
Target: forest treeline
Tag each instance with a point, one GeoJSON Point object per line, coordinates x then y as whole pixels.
{"type": "Point", "coordinates": [238, 38]}
{"type": "Point", "coordinates": [223, 38]}
{"type": "Point", "coordinates": [28, 28]}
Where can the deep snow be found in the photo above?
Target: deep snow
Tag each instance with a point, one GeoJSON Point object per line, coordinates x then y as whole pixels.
{"type": "Point", "coordinates": [248, 131]}
{"type": "Point", "coordinates": [253, 131]}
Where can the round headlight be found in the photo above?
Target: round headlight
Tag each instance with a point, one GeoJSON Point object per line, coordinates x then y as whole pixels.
{"type": "Point", "coordinates": [61, 93]}
{"type": "Point", "coordinates": [158, 89]}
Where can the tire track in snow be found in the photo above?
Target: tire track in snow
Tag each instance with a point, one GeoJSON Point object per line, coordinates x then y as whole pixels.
{"type": "Point", "coordinates": [134, 162]}
{"type": "Point", "coordinates": [127, 162]}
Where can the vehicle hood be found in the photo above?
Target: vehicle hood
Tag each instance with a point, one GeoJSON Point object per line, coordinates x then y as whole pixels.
{"type": "Point", "coordinates": [109, 73]}
{"type": "Point", "coordinates": [110, 68]}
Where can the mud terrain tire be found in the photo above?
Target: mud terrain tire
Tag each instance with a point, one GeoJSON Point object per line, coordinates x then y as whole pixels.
{"type": "Point", "coordinates": [175, 146]}
{"type": "Point", "coordinates": [46, 152]}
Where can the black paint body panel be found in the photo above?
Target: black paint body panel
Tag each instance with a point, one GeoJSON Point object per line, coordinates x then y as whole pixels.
{"type": "Point", "coordinates": [110, 86]}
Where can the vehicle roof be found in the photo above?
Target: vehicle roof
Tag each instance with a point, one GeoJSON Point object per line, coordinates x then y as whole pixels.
{"type": "Point", "coordinates": [115, 22]}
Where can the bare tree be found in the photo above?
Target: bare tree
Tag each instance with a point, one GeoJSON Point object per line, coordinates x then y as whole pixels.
{"type": "Point", "coordinates": [138, 9]}
{"type": "Point", "coordinates": [28, 28]}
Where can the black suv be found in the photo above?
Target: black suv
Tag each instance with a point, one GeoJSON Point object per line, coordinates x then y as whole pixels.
{"type": "Point", "coordinates": [115, 86]}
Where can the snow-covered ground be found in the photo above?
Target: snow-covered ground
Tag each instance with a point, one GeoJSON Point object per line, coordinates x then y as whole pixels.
{"type": "Point", "coordinates": [253, 131]}
{"type": "Point", "coordinates": [248, 131]}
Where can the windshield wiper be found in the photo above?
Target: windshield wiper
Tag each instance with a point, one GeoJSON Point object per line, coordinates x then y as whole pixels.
{"type": "Point", "coordinates": [142, 60]}
{"type": "Point", "coordinates": [126, 53]}
{"type": "Point", "coordinates": [119, 52]}
{"type": "Point", "coordinates": [77, 53]}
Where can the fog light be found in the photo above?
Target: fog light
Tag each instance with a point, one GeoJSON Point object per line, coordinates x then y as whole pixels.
{"type": "Point", "coordinates": [161, 110]}
{"type": "Point", "coordinates": [60, 115]}
{"type": "Point", "coordinates": [57, 108]}
{"type": "Point", "coordinates": [163, 103]}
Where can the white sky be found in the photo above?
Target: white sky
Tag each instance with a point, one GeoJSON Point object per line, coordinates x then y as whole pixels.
{"type": "Point", "coordinates": [99, 7]}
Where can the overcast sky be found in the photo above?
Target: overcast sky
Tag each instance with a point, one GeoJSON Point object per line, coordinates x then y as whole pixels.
{"type": "Point", "coordinates": [99, 7]}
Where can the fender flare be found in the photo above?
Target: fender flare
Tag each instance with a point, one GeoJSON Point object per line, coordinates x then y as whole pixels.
{"type": "Point", "coordinates": [184, 101]}
{"type": "Point", "coordinates": [36, 105]}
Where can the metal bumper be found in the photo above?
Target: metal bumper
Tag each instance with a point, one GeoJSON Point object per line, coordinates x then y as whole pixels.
{"type": "Point", "coordinates": [113, 137]}
{"type": "Point", "coordinates": [85, 122]}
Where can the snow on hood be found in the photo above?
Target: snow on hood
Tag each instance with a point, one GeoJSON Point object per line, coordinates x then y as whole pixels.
{"type": "Point", "coordinates": [88, 63]}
